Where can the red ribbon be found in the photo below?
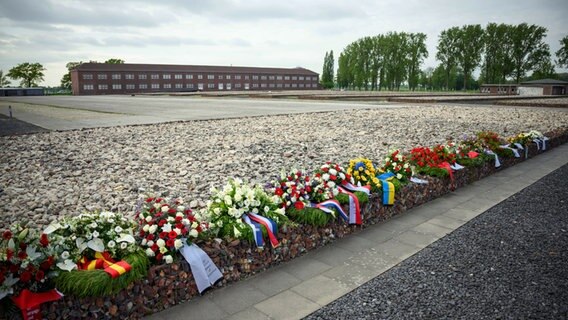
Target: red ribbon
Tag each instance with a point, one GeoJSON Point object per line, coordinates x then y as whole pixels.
{"type": "Point", "coordinates": [30, 302]}
{"type": "Point", "coordinates": [446, 166]}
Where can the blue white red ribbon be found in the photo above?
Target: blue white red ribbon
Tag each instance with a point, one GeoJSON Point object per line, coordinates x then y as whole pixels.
{"type": "Point", "coordinates": [255, 221]}
{"type": "Point", "coordinates": [354, 207]}
{"type": "Point", "coordinates": [388, 188]}
{"type": "Point", "coordinates": [329, 205]}
{"type": "Point", "coordinates": [351, 187]}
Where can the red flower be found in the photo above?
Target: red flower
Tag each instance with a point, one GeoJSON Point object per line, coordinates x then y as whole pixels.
{"type": "Point", "coordinates": [172, 234]}
{"type": "Point", "coordinates": [172, 210]}
{"type": "Point", "coordinates": [9, 254]}
{"type": "Point", "coordinates": [148, 200]}
{"type": "Point", "coordinates": [299, 205]}
{"type": "Point", "coordinates": [39, 275]}
{"type": "Point", "coordinates": [170, 242]}
{"type": "Point", "coordinates": [7, 235]}
{"type": "Point", "coordinates": [325, 169]}
{"type": "Point", "coordinates": [179, 225]}
{"type": "Point", "coordinates": [159, 257]}
{"type": "Point", "coordinates": [22, 255]}
{"type": "Point", "coordinates": [150, 237]}
{"type": "Point", "coordinates": [178, 218]}
{"type": "Point", "coordinates": [43, 240]}
{"type": "Point", "coordinates": [163, 235]}
{"type": "Point", "coordinates": [14, 268]}
{"type": "Point", "coordinates": [162, 223]}
{"type": "Point", "coordinates": [154, 247]}
{"type": "Point", "coordinates": [332, 177]}
{"type": "Point", "coordinates": [308, 189]}
{"type": "Point", "coordinates": [26, 276]}
{"type": "Point", "coordinates": [307, 179]}
{"type": "Point", "coordinates": [46, 265]}
{"type": "Point", "coordinates": [279, 192]}
{"type": "Point", "coordinates": [23, 245]}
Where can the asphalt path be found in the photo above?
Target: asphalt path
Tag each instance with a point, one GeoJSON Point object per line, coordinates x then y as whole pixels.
{"type": "Point", "coordinates": [76, 112]}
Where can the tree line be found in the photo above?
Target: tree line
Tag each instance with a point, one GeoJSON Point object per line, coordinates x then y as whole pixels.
{"type": "Point", "coordinates": [502, 52]}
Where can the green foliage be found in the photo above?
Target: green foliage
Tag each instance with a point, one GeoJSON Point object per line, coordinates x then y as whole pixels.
{"type": "Point", "coordinates": [95, 283]}
{"type": "Point", "coordinates": [114, 61]}
{"type": "Point", "coordinates": [433, 172]}
{"type": "Point", "coordinates": [344, 198]}
{"type": "Point", "coordinates": [447, 52]}
{"type": "Point", "coordinates": [29, 73]}
{"type": "Point", "coordinates": [475, 162]}
{"type": "Point", "coordinates": [562, 53]}
{"type": "Point", "coordinates": [328, 71]}
{"type": "Point", "coordinates": [528, 48]}
{"type": "Point", "coordinates": [310, 216]}
{"type": "Point", "coordinates": [4, 82]}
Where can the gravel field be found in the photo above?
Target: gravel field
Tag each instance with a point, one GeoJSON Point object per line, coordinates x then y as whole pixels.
{"type": "Point", "coordinates": [508, 263]}
{"type": "Point", "coordinates": [65, 173]}
{"type": "Point", "coordinates": [556, 102]}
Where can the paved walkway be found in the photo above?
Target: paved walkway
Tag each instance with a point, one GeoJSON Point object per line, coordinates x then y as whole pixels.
{"type": "Point", "coordinates": [299, 287]}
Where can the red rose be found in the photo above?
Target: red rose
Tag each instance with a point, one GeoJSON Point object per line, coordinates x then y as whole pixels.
{"type": "Point", "coordinates": [308, 189]}
{"type": "Point", "coordinates": [299, 205]}
{"type": "Point", "coordinates": [22, 255]}
{"type": "Point", "coordinates": [23, 246]}
{"type": "Point", "coordinates": [179, 225]}
{"type": "Point", "coordinates": [307, 179]}
{"type": "Point", "coordinates": [7, 235]}
{"type": "Point", "coordinates": [170, 242]}
{"type": "Point", "coordinates": [14, 268]}
{"type": "Point", "coordinates": [163, 235]}
{"type": "Point", "coordinates": [159, 257]}
{"type": "Point", "coordinates": [172, 234]}
{"type": "Point", "coordinates": [172, 210]}
{"type": "Point", "coordinates": [26, 276]}
{"type": "Point", "coordinates": [347, 177]}
{"type": "Point", "coordinates": [325, 169]}
{"type": "Point", "coordinates": [150, 237]}
{"type": "Point", "coordinates": [154, 247]}
{"type": "Point", "coordinates": [46, 265]}
{"type": "Point", "coordinates": [332, 177]}
{"type": "Point", "coordinates": [149, 200]}
{"type": "Point", "coordinates": [178, 219]}
{"type": "Point", "coordinates": [278, 192]}
{"type": "Point", "coordinates": [39, 275]}
{"type": "Point", "coordinates": [43, 240]}
{"type": "Point", "coordinates": [199, 229]}
{"type": "Point", "coordinates": [9, 254]}
{"type": "Point", "coordinates": [161, 223]}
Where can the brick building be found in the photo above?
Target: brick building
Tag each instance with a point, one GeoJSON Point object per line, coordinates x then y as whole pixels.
{"type": "Point", "coordinates": [128, 78]}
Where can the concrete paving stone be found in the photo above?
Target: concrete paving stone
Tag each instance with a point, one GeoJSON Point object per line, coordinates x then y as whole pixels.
{"type": "Point", "coordinates": [332, 255]}
{"type": "Point", "coordinates": [321, 289]}
{"type": "Point", "coordinates": [274, 281]}
{"type": "Point", "coordinates": [477, 204]}
{"type": "Point", "coordinates": [305, 267]}
{"type": "Point", "coordinates": [351, 274]}
{"type": "Point", "coordinates": [287, 305]}
{"type": "Point", "coordinates": [355, 243]}
{"type": "Point", "coordinates": [237, 297]}
{"type": "Point", "coordinates": [409, 219]}
{"type": "Point", "coordinates": [375, 260]}
{"type": "Point", "coordinates": [396, 249]}
{"type": "Point", "coordinates": [496, 195]}
{"type": "Point", "coordinates": [433, 229]}
{"type": "Point", "coordinates": [201, 308]}
{"type": "Point", "coordinates": [426, 211]}
{"type": "Point", "coordinates": [446, 222]}
{"type": "Point", "coordinates": [378, 233]}
{"type": "Point", "coordinates": [248, 314]}
{"type": "Point", "coordinates": [463, 214]}
{"type": "Point", "coordinates": [413, 238]}
{"type": "Point", "coordinates": [441, 204]}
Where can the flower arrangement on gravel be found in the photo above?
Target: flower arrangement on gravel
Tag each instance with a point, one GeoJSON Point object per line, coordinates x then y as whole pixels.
{"type": "Point", "coordinates": [292, 189]}
{"type": "Point", "coordinates": [26, 260]}
{"type": "Point", "coordinates": [364, 172]}
{"type": "Point", "coordinates": [165, 225]}
{"type": "Point", "coordinates": [522, 138]}
{"type": "Point", "coordinates": [428, 162]}
{"type": "Point", "coordinates": [91, 243]}
{"type": "Point", "coordinates": [228, 207]}
{"type": "Point", "coordinates": [334, 172]}
{"type": "Point", "coordinates": [491, 141]}
{"type": "Point", "coordinates": [399, 165]}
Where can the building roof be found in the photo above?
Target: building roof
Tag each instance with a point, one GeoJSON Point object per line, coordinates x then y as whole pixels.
{"type": "Point", "coordinates": [546, 81]}
{"type": "Point", "coordinates": [109, 67]}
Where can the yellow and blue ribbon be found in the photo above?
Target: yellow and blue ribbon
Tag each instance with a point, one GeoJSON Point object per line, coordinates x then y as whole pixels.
{"type": "Point", "coordinates": [388, 188]}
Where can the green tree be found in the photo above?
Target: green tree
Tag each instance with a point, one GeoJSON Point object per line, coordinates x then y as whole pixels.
{"type": "Point", "coordinates": [29, 73]}
{"type": "Point", "coordinates": [328, 71]}
{"type": "Point", "coordinates": [114, 61]}
{"type": "Point", "coordinates": [66, 79]}
{"type": "Point", "coordinates": [528, 48]}
{"type": "Point", "coordinates": [417, 52]}
{"type": "Point", "coordinates": [562, 53]}
{"type": "Point", "coordinates": [447, 51]}
{"type": "Point", "coordinates": [497, 65]}
{"type": "Point", "coordinates": [544, 69]}
{"type": "Point", "coordinates": [4, 82]}
{"type": "Point", "coordinates": [469, 47]}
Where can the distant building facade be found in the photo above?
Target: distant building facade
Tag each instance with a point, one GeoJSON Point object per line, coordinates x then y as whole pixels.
{"type": "Point", "coordinates": [103, 78]}
{"type": "Point", "coordinates": [544, 87]}
{"type": "Point", "coordinates": [8, 92]}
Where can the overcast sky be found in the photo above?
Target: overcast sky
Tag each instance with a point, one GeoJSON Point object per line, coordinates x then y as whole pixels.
{"type": "Point", "coordinates": [265, 33]}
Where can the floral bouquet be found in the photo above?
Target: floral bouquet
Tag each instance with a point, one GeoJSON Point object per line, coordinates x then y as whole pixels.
{"type": "Point", "coordinates": [428, 162]}
{"type": "Point", "coordinates": [523, 139]}
{"type": "Point", "coordinates": [165, 226]}
{"type": "Point", "coordinates": [98, 251]}
{"type": "Point", "coordinates": [230, 210]}
{"type": "Point", "coordinates": [292, 190]}
{"type": "Point", "coordinates": [534, 134]}
{"type": "Point", "coordinates": [491, 141]}
{"type": "Point", "coordinates": [364, 172]}
{"type": "Point", "coordinates": [26, 258]}
{"type": "Point", "coordinates": [398, 164]}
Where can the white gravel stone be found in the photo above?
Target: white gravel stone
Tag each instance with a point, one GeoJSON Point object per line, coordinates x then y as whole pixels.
{"type": "Point", "coordinates": [58, 173]}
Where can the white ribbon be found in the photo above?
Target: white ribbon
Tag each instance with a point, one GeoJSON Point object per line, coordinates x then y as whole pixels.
{"type": "Point", "coordinates": [515, 151]}
{"type": "Point", "coordinates": [204, 270]}
{"type": "Point", "coordinates": [418, 180]}
{"type": "Point", "coordinates": [456, 166]}
{"type": "Point", "coordinates": [497, 162]}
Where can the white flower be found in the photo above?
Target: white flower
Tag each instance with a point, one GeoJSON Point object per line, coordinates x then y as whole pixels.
{"type": "Point", "coordinates": [157, 205]}
{"type": "Point", "coordinates": [168, 259]}
{"type": "Point", "coordinates": [228, 200]}
{"type": "Point", "coordinates": [177, 230]}
{"type": "Point", "coordinates": [325, 176]}
{"type": "Point", "coordinates": [165, 208]}
{"type": "Point", "coordinates": [220, 223]}
{"type": "Point", "coordinates": [144, 241]}
{"type": "Point", "coordinates": [150, 243]}
{"type": "Point", "coordinates": [266, 209]}
{"type": "Point", "coordinates": [141, 215]}
{"type": "Point", "coordinates": [342, 176]}
{"type": "Point", "coordinates": [394, 164]}
{"type": "Point", "coordinates": [181, 208]}
{"type": "Point", "coordinates": [93, 225]}
{"type": "Point", "coordinates": [160, 243]}
{"type": "Point", "coordinates": [163, 250]}
{"type": "Point", "coordinates": [399, 157]}
{"type": "Point", "coordinates": [399, 176]}
{"type": "Point", "coordinates": [153, 228]}
{"type": "Point", "coordinates": [233, 212]}
{"type": "Point", "coordinates": [178, 244]}
{"type": "Point", "coordinates": [406, 165]}
{"type": "Point", "coordinates": [193, 233]}
{"type": "Point", "coordinates": [146, 228]}
{"type": "Point", "coordinates": [171, 219]}
{"type": "Point", "coordinates": [123, 245]}
{"type": "Point", "coordinates": [217, 211]}
{"type": "Point", "coordinates": [333, 172]}
{"type": "Point", "coordinates": [236, 232]}
{"type": "Point", "coordinates": [238, 197]}
{"type": "Point", "coordinates": [331, 184]}
{"type": "Point", "coordinates": [150, 253]}
{"type": "Point", "coordinates": [185, 221]}
{"type": "Point", "coordinates": [111, 244]}
{"type": "Point", "coordinates": [148, 218]}
{"type": "Point", "coordinates": [118, 229]}
{"type": "Point", "coordinates": [255, 210]}
{"type": "Point", "coordinates": [65, 255]}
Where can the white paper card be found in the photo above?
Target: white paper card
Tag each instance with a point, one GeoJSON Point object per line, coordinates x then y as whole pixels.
{"type": "Point", "coordinates": [204, 271]}
{"type": "Point", "coordinates": [418, 180]}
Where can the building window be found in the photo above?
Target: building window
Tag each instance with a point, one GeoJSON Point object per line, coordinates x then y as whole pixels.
{"type": "Point", "coordinates": [254, 77]}
{"type": "Point", "coordinates": [263, 85]}
{"type": "Point", "coordinates": [279, 85]}
{"type": "Point", "coordinates": [286, 77]}
{"type": "Point", "coordinates": [278, 77]}
{"type": "Point", "coordinates": [220, 86]}
{"type": "Point", "coordinates": [129, 76]}
{"type": "Point", "coordinates": [271, 85]}
{"type": "Point", "coordinates": [255, 85]}
{"type": "Point", "coordinates": [102, 76]}
{"type": "Point", "coordinates": [210, 86]}
{"type": "Point", "coordinates": [189, 76]}
{"type": "Point", "coordinates": [228, 85]}
{"type": "Point", "coordinates": [155, 86]}
{"type": "Point", "coordinates": [190, 85]}
{"type": "Point", "coordinates": [88, 87]}
{"type": "Point", "coordinates": [300, 78]}
{"type": "Point", "coordinates": [220, 77]}
{"type": "Point", "coordinates": [238, 77]}
{"type": "Point", "coordinates": [179, 85]}
{"type": "Point", "coordinates": [142, 86]}
{"type": "Point", "coordinates": [199, 76]}
{"type": "Point", "coordinates": [166, 76]}
{"type": "Point", "coordinates": [294, 78]}
{"type": "Point", "coordinates": [200, 86]}
{"type": "Point", "coordinates": [237, 85]}
{"type": "Point", "coordinates": [301, 85]}
{"type": "Point", "coordinates": [87, 76]}
{"type": "Point", "coordinates": [142, 77]}
{"type": "Point", "coordinates": [315, 78]}
{"type": "Point", "coordinates": [228, 77]}
{"type": "Point", "coordinates": [246, 77]}
{"type": "Point", "coordinates": [116, 87]}
{"type": "Point", "coordinates": [116, 76]}
{"type": "Point", "coordinates": [210, 77]}
{"type": "Point", "coordinates": [286, 85]}
{"type": "Point", "coordinates": [178, 76]}
{"type": "Point", "coordinates": [294, 85]}
{"type": "Point", "coordinates": [167, 85]}
{"type": "Point", "coordinates": [103, 87]}
{"type": "Point", "coordinates": [271, 77]}
{"type": "Point", "coordinates": [155, 76]}
{"type": "Point", "coordinates": [262, 77]}
{"type": "Point", "coordinates": [130, 87]}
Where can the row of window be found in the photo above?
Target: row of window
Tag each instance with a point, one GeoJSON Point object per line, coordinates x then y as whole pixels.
{"type": "Point", "coordinates": [165, 76]}
{"type": "Point", "coordinates": [200, 86]}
